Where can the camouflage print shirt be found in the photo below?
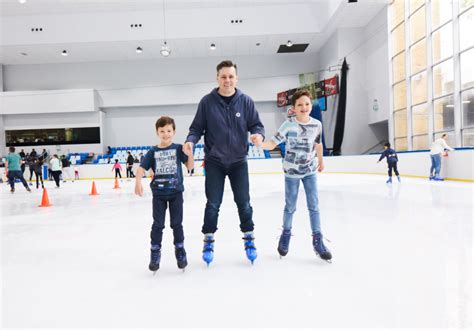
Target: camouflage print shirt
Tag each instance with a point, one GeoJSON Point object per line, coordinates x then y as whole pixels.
{"type": "Point", "coordinates": [300, 139]}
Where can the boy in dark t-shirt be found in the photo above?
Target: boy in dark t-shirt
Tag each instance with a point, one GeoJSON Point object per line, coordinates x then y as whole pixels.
{"type": "Point", "coordinates": [392, 160]}
{"type": "Point", "coordinates": [167, 187]}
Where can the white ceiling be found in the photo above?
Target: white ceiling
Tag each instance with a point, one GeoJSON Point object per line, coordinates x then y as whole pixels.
{"type": "Point", "coordinates": [100, 30]}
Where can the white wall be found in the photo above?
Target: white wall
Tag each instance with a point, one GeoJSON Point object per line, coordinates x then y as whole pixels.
{"type": "Point", "coordinates": [366, 52]}
{"type": "Point", "coordinates": [119, 122]}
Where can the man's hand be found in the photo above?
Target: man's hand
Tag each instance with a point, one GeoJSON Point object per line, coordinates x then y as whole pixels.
{"type": "Point", "coordinates": [256, 139]}
{"type": "Point", "coordinates": [188, 149]}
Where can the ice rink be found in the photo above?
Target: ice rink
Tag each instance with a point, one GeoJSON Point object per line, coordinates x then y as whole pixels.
{"type": "Point", "coordinates": [402, 257]}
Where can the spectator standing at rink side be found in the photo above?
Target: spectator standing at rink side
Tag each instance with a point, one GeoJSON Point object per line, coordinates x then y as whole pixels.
{"type": "Point", "coordinates": [13, 170]}
{"type": "Point", "coordinates": [130, 162]}
{"type": "Point", "coordinates": [34, 154]}
{"type": "Point", "coordinates": [76, 172]}
{"type": "Point", "coordinates": [55, 169]}
{"type": "Point", "coordinates": [66, 164]}
{"type": "Point", "coordinates": [23, 161]}
{"type": "Point", "coordinates": [38, 167]}
{"type": "Point", "coordinates": [225, 116]}
{"type": "Point", "coordinates": [302, 137]}
{"type": "Point", "coordinates": [167, 187]}
{"type": "Point", "coordinates": [30, 160]}
{"type": "Point", "coordinates": [118, 168]}
{"type": "Point", "coordinates": [437, 148]}
{"type": "Point", "coordinates": [392, 160]}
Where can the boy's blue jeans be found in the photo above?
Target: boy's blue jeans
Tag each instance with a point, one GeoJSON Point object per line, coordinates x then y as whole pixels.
{"type": "Point", "coordinates": [239, 181]}
{"type": "Point", "coordinates": [435, 165]}
{"type": "Point", "coordinates": [291, 196]}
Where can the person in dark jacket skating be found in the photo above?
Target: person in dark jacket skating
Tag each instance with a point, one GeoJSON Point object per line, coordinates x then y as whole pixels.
{"type": "Point", "coordinates": [392, 160]}
{"type": "Point", "coordinates": [225, 116]}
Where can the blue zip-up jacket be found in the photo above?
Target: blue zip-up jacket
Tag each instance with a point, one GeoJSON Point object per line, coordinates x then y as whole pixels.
{"type": "Point", "coordinates": [390, 154]}
{"type": "Point", "coordinates": [225, 126]}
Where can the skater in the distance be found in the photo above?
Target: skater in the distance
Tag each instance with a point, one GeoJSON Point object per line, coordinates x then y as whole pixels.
{"type": "Point", "coordinates": [225, 116]}
{"type": "Point", "coordinates": [167, 187]}
{"type": "Point", "coordinates": [118, 169]}
{"type": "Point", "coordinates": [302, 137]}
{"type": "Point", "coordinates": [392, 160]}
{"type": "Point", "coordinates": [13, 170]}
{"type": "Point", "coordinates": [437, 148]}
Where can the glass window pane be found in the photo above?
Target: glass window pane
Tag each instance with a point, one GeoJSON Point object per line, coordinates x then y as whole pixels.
{"type": "Point", "coordinates": [451, 139]}
{"type": "Point", "coordinates": [464, 4]}
{"type": "Point", "coordinates": [443, 114]}
{"type": "Point", "coordinates": [466, 26]}
{"type": "Point", "coordinates": [419, 118]}
{"type": "Point", "coordinates": [468, 137]}
{"type": "Point", "coordinates": [398, 12]}
{"type": "Point", "coordinates": [418, 57]}
{"type": "Point", "coordinates": [415, 4]}
{"type": "Point", "coordinates": [467, 69]}
{"type": "Point", "coordinates": [418, 88]}
{"type": "Point", "coordinates": [441, 12]}
{"type": "Point", "coordinates": [401, 144]}
{"type": "Point", "coordinates": [467, 99]}
{"type": "Point", "coordinates": [417, 25]}
{"type": "Point", "coordinates": [398, 67]}
{"type": "Point", "coordinates": [399, 96]}
{"type": "Point", "coordinates": [398, 39]}
{"type": "Point", "coordinates": [400, 123]}
{"type": "Point", "coordinates": [443, 78]}
{"type": "Point", "coordinates": [442, 43]}
{"type": "Point", "coordinates": [420, 142]}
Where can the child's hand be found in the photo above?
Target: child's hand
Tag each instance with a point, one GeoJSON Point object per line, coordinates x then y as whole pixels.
{"type": "Point", "coordinates": [256, 139]}
{"type": "Point", "coordinates": [138, 189]}
{"type": "Point", "coordinates": [320, 167]}
{"type": "Point", "coordinates": [188, 149]}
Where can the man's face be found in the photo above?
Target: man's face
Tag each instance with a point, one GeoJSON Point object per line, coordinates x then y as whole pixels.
{"type": "Point", "coordinates": [227, 80]}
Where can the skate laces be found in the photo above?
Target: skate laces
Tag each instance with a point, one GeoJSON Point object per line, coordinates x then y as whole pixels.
{"type": "Point", "coordinates": [208, 244]}
{"type": "Point", "coordinates": [249, 241]}
{"type": "Point", "coordinates": [319, 244]}
{"type": "Point", "coordinates": [180, 253]}
{"type": "Point", "coordinates": [155, 255]}
{"type": "Point", "coordinates": [285, 238]}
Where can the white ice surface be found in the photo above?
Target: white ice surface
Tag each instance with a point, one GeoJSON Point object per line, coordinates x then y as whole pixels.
{"type": "Point", "coordinates": [402, 258]}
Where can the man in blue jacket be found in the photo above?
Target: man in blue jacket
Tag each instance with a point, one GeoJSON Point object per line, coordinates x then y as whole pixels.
{"type": "Point", "coordinates": [225, 117]}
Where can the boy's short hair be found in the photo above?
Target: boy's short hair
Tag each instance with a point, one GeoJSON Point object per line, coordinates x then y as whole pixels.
{"type": "Point", "coordinates": [387, 145]}
{"type": "Point", "coordinates": [226, 64]}
{"type": "Point", "coordinates": [298, 94]}
{"type": "Point", "coordinates": [116, 160]}
{"type": "Point", "coordinates": [165, 120]}
{"type": "Point", "coordinates": [11, 149]}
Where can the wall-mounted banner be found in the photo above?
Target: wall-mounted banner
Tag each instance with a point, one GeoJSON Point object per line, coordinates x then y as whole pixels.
{"type": "Point", "coordinates": [318, 90]}
{"type": "Point", "coordinates": [331, 86]}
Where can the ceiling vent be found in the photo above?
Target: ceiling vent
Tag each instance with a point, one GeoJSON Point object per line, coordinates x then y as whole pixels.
{"type": "Point", "coordinates": [36, 29]}
{"type": "Point", "coordinates": [135, 26]}
{"type": "Point", "coordinates": [295, 48]}
{"type": "Point", "coordinates": [236, 21]}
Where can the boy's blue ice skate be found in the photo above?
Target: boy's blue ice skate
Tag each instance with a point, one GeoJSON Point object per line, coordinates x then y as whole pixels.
{"type": "Point", "coordinates": [208, 250]}
{"type": "Point", "coordinates": [389, 180]}
{"type": "Point", "coordinates": [398, 178]}
{"type": "Point", "coordinates": [155, 258]}
{"type": "Point", "coordinates": [180, 254]}
{"type": "Point", "coordinates": [284, 243]}
{"type": "Point", "coordinates": [250, 248]}
{"type": "Point", "coordinates": [320, 248]}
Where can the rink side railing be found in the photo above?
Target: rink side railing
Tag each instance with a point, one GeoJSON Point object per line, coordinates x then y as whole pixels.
{"type": "Point", "coordinates": [458, 166]}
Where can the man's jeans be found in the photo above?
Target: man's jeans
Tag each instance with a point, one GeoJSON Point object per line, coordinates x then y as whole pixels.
{"type": "Point", "coordinates": [435, 165]}
{"type": "Point", "coordinates": [239, 181]}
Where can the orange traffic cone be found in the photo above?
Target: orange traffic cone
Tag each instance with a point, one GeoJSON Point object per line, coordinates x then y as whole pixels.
{"type": "Point", "coordinates": [45, 199]}
{"type": "Point", "coordinates": [94, 190]}
{"type": "Point", "coordinates": [116, 186]}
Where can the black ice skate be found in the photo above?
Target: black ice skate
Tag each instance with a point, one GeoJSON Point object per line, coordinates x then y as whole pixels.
{"type": "Point", "coordinates": [155, 258]}
{"type": "Point", "coordinates": [181, 256]}
{"type": "Point", "coordinates": [320, 249]}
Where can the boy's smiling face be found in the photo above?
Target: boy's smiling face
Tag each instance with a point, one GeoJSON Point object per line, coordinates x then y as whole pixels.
{"type": "Point", "coordinates": [302, 108]}
{"type": "Point", "coordinates": [165, 134]}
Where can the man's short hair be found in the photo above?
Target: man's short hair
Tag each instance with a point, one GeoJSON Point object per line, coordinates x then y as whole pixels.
{"type": "Point", "coordinates": [226, 64]}
{"type": "Point", "coordinates": [165, 120]}
{"type": "Point", "coordinates": [11, 149]}
{"type": "Point", "coordinates": [298, 94]}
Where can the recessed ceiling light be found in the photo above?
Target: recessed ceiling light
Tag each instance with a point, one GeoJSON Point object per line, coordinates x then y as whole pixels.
{"type": "Point", "coordinates": [165, 50]}
{"type": "Point", "coordinates": [466, 102]}
{"type": "Point", "coordinates": [139, 50]}
{"type": "Point", "coordinates": [21, 1]}
{"type": "Point", "coordinates": [289, 43]}
{"type": "Point", "coordinates": [213, 47]}
{"type": "Point", "coordinates": [64, 53]}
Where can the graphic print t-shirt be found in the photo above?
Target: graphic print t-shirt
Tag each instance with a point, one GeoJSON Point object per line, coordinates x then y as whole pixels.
{"type": "Point", "coordinates": [299, 138]}
{"type": "Point", "coordinates": [166, 164]}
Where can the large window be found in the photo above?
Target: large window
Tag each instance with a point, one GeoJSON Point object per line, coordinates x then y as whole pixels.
{"type": "Point", "coordinates": [52, 136]}
{"type": "Point", "coordinates": [432, 72]}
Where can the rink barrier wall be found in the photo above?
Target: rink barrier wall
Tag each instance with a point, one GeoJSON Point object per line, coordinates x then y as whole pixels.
{"type": "Point", "coordinates": [458, 166]}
